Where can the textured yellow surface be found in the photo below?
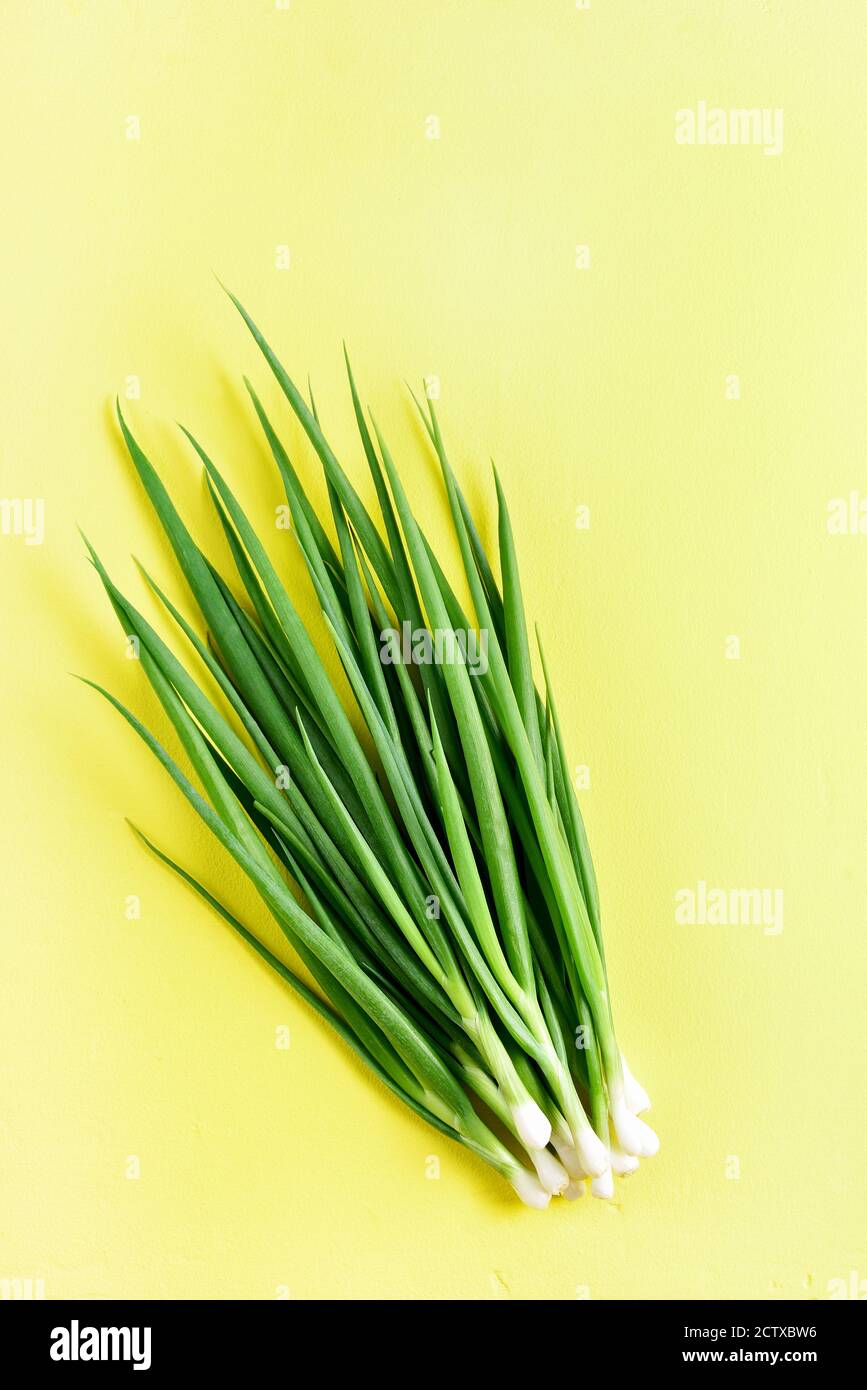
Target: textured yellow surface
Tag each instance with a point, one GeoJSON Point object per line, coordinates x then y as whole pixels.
{"type": "Point", "coordinates": [149, 1046]}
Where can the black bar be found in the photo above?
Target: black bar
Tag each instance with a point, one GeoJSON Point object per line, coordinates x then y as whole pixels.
{"type": "Point", "coordinates": [235, 1337]}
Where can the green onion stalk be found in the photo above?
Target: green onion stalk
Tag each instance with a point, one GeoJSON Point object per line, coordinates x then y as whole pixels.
{"type": "Point", "coordinates": [438, 891]}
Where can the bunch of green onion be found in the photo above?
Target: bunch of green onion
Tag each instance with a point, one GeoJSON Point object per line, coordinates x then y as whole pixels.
{"type": "Point", "coordinates": [440, 892]}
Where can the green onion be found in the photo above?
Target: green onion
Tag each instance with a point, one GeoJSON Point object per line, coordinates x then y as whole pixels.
{"type": "Point", "coordinates": [441, 892]}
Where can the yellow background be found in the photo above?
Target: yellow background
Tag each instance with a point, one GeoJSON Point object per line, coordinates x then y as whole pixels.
{"type": "Point", "coordinates": [265, 1170]}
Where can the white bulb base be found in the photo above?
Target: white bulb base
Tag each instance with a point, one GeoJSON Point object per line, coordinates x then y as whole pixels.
{"type": "Point", "coordinates": [637, 1099]}
{"type": "Point", "coordinates": [592, 1153]}
{"type": "Point", "coordinates": [531, 1124]}
{"type": "Point", "coordinates": [622, 1164]}
{"type": "Point", "coordinates": [633, 1135]}
{"type": "Point", "coordinates": [551, 1174]}
{"type": "Point", "coordinates": [603, 1186]}
{"type": "Point", "coordinates": [568, 1156]}
{"type": "Point", "coordinates": [530, 1190]}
